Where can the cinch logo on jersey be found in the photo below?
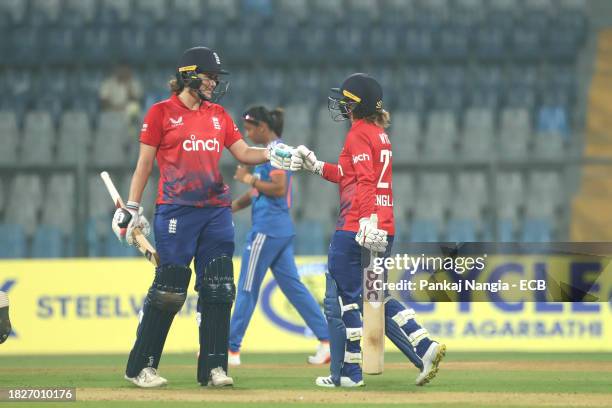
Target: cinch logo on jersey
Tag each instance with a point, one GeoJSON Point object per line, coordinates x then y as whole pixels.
{"type": "Point", "coordinates": [360, 157]}
{"type": "Point", "coordinates": [176, 122]}
{"type": "Point", "coordinates": [194, 144]}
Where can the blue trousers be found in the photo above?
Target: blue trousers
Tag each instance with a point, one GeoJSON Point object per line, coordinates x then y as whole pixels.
{"type": "Point", "coordinates": [184, 233]}
{"type": "Point", "coordinates": [343, 305]}
{"type": "Point", "coordinates": [263, 252]}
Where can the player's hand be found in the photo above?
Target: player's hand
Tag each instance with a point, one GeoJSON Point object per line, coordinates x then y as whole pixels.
{"type": "Point", "coordinates": [243, 175]}
{"type": "Point", "coordinates": [280, 156]}
{"type": "Point", "coordinates": [305, 159]}
{"type": "Point", "coordinates": [128, 218]}
{"type": "Point", "coordinates": [369, 236]}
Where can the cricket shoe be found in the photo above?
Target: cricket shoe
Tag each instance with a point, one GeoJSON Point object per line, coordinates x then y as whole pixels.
{"type": "Point", "coordinates": [218, 378]}
{"type": "Point", "coordinates": [148, 378]}
{"type": "Point", "coordinates": [233, 358]}
{"type": "Point", "coordinates": [344, 382]}
{"type": "Point", "coordinates": [5, 322]}
{"type": "Point", "coordinates": [431, 359]}
{"type": "Point", "coordinates": [322, 355]}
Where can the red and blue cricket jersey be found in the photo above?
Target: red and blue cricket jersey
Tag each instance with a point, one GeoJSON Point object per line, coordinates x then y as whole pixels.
{"type": "Point", "coordinates": [364, 177]}
{"type": "Point", "coordinates": [270, 215]}
{"type": "Point", "coordinates": [189, 145]}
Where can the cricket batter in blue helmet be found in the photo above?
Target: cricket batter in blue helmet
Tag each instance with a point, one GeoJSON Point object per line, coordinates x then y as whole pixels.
{"type": "Point", "coordinates": [365, 223]}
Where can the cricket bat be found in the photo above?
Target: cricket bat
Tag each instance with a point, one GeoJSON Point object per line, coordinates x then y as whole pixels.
{"type": "Point", "coordinates": [373, 341]}
{"type": "Point", "coordinates": [142, 243]}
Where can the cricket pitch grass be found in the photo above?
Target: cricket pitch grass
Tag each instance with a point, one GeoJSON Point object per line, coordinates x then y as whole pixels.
{"type": "Point", "coordinates": [268, 380]}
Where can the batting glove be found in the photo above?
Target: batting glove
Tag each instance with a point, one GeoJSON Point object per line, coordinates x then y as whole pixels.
{"type": "Point", "coordinates": [280, 156]}
{"type": "Point", "coordinates": [369, 236]}
{"type": "Point", "coordinates": [128, 218]}
{"type": "Point", "coordinates": [305, 159]}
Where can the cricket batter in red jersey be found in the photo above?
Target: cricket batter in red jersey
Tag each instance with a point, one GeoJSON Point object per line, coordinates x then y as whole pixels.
{"type": "Point", "coordinates": [364, 176]}
{"type": "Point", "coordinates": [186, 134]}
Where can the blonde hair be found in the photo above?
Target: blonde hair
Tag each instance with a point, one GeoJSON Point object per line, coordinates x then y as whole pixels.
{"type": "Point", "coordinates": [381, 118]}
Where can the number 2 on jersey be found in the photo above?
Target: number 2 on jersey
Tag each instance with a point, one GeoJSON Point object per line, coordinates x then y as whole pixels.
{"type": "Point", "coordinates": [385, 157]}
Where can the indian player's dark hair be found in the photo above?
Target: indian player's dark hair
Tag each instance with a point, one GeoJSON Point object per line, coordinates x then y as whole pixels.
{"type": "Point", "coordinates": [274, 119]}
{"type": "Point", "coordinates": [277, 117]}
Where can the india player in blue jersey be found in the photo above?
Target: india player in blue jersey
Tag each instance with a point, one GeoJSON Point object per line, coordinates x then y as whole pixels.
{"type": "Point", "coordinates": [270, 240]}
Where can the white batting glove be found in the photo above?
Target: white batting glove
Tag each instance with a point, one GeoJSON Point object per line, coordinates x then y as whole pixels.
{"type": "Point", "coordinates": [128, 218]}
{"type": "Point", "coordinates": [280, 156]}
{"type": "Point", "coordinates": [305, 159]}
{"type": "Point", "coordinates": [369, 236]}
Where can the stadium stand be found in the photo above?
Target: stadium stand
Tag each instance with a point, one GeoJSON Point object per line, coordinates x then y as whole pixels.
{"type": "Point", "coordinates": [469, 83]}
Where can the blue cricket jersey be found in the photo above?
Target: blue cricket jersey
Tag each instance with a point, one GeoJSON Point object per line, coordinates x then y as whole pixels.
{"type": "Point", "coordinates": [270, 215]}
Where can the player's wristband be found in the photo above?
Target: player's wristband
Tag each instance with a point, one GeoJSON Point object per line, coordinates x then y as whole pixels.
{"type": "Point", "coordinates": [132, 205]}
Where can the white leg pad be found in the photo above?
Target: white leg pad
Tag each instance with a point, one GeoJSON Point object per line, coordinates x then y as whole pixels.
{"type": "Point", "coordinates": [352, 357]}
{"type": "Point", "coordinates": [350, 306]}
{"type": "Point", "coordinates": [402, 317]}
{"type": "Point", "coordinates": [354, 333]}
{"type": "Point", "coordinates": [416, 336]}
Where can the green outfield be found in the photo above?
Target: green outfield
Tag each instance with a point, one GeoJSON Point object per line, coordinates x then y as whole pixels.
{"type": "Point", "coordinates": [266, 380]}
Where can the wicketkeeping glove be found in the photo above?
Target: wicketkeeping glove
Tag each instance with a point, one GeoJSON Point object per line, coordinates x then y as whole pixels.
{"type": "Point", "coordinates": [280, 156]}
{"type": "Point", "coordinates": [128, 218]}
{"type": "Point", "coordinates": [369, 236]}
{"type": "Point", "coordinates": [305, 159]}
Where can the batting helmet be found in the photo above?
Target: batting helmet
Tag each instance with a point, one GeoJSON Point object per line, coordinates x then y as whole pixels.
{"type": "Point", "coordinates": [201, 60]}
{"type": "Point", "coordinates": [359, 94]}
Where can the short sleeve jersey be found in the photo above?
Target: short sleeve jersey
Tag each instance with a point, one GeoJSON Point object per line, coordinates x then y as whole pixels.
{"type": "Point", "coordinates": [189, 146]}
{"type": "Point", "coordinates": [364, 175]}
{"type": "Point", "coordinates": [270, 215]}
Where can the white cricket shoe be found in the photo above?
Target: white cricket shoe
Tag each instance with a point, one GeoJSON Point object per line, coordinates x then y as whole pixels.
{"type": "Point", "coordinates": [148, 378]}
{"type": "Point", "coordinates": [431, 359]}
{"type": "Point", "coordinates": [344, 382]}
{"type": "Point", "coordinates": [233, 358]}
{"type": "Point", "coordinates": [218, 378]}
{"type": "Point", "coordinates": [322, 355]}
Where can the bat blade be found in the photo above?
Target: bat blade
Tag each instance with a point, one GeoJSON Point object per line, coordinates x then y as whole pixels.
{"type": "Point", "coordinates": [373, 342]}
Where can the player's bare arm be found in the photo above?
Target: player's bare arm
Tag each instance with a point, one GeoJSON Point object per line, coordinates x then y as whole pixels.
{"type": "Point", "coordinates": [144, 166]}
{"type": "Point", "coordinates": [249, 155]}
{"type": "Point", "coordinates": [241, 202]}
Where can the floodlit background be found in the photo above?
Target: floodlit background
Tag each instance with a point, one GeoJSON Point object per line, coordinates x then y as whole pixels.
{"type": "Point", "coordinates": [496, 107]}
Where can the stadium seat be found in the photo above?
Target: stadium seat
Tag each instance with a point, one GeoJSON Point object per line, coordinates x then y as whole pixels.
{"type": "Point", "coordinates": [224, 11]}
{"type": "Point", "coordinates": [329, 137]}
{"type": "Point", "coordinates": [490, 42]}
{"type": "Point", "coordinates": [405, 134]}
{"type": "Point", "coordinates": [424, 230]}
{"type": "Point", "coordinates": [111, 139]}
{"type": "Point", "coordinates": [510, 195]}
{"type": "Point", "coordinates": [404, 194]}
{"type": "Point", "coordinates": [454, 41]}
{"type": "Point", "coordinates": [536, 230]}
{"type": "Point", "coordinates": [461, 230]}
{"type": "Point", "coordinates": [441, 134]}
{"type": "Point", "coordinates": [294, 12]}
{"type": "Point", "coordinates": [326, 195]}
{"type": "Point", "coordinates": [515, 132]}
{"type": "Point", "coordinates": [77, 13]}
{"type": "Point", "coordinates": [191, 9]}
{"type": "Point", "coordinates": [9, 137]}
{"type": "Point", "coordinates": [24, 203]}
{"type": "Point", "coordinates": [48, 242]}
{"type": "Point", "coordinates": [74, 137]}
{"type": "Point", "coordinates": [114, 11]}
{"type": "Point", "coordinates": [155, 10]}
{"type": "Point", "coordinates": [478, 133]}
{"type": "Point", "coordinates": [418, 44]}
{"type": "Point", "coordinates": [61, 188]}
{"type": "Point", "coordinates": [13, 242]}
{"type": "Point", "coordinates": [544, 194]}
{"type": "Point", "coordinates": [505, 230]}
{"type": "Point", "coordinates": [38, 139]}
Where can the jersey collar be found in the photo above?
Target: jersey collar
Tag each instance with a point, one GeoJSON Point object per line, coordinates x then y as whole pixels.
{"type": "Point", "coordinates": [177, 101]}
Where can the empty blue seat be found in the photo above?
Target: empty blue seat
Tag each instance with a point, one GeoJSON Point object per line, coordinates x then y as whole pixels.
{"type": "Point", "coordinates": [422, 230]}
{"type": "Point", "coordinates": [418, 43]}
{"type": "Point", "coordinates": [461, 230]}
{"type": "Point", "coordinates": [505, 230]}
{"type": "Point", "coordinates": [48, 242]}
{"type": "Point", "coordinates": [536, 230]}
{"type": "Point", "coordinates": [12, 241]}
